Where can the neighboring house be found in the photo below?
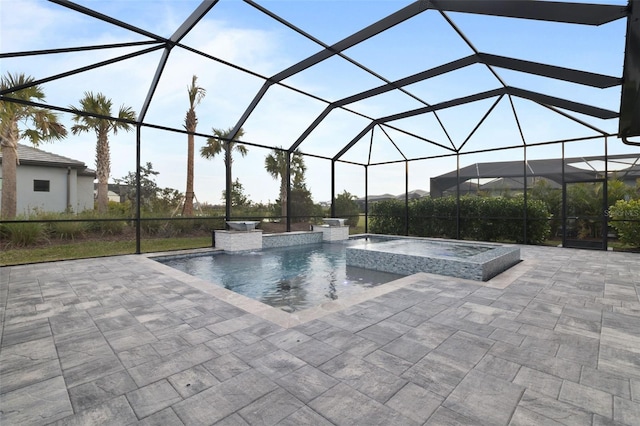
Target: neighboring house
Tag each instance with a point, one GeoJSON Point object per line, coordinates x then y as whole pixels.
{"type": "Point", "coordinates": [116, 192]}
{"type": "Point", "coordinates": [51, 183]}
{"type": "Point", "coordinates": [496, 178]}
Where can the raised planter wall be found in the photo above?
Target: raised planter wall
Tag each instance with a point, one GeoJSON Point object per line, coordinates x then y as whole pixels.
{"type": "Point", "coordinates": [291, 239]}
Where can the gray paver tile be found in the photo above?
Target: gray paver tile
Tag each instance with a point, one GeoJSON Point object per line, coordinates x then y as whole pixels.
{"type": "Point", "coordinates": [415, 402]}
{"type": "Point", "coordinates": [619, 361]}
{"type": "Point", "coordinates": [344, 405]}
{"type": "Point", "coordinates": [153, 398]}
{"type": "Point", "coordinates": [553, 409]}
{"type": "Point", "coordinates": [226, 366]}
{"type": "Point", "coordinates": [488, 400]}
{"type": "Point", "coordinates": [220, 401]}
{"type": "Point", "coordinates": [286, 339]}
{"type": "Point", "coordinates": [155, 370]}
{"type": "Point", "coordinates": [29, 353]}
{"type": "Point", "coordinates": [94, 368]}
{"type": "Point", "coordinates": [498, 367]}
{"type": "Point", "coordinates": [524, 417]}
{"type": "Point", "coordinates": [138, 355]}
{"type": "Point", "coordinates": [115, 412]}
{"type": "Point", "coordinates": [379, 334]}
{"type": "Point", "coordinates": [625, 411]}
{"type": "Point", "coordinates": [193, 380]}
{"type": "Point", "coordinates": [391, 363]}
{"type": "Point", "coordinates": [445, 417]}
{"type": "Point", "coordinates": [271, 408]}
{"type": "Point", "coordinates": [169, 345]}
{"type": "Point", "coordinates": [256, 350]}
{"type": "Point", "coordinates": [369, 379]}
{"type": "Point", "coordinates": [598, 420]}
{"type": "Point", "coordinates": [41, 402]}
{"type": "Point", "coordinates": [547, 364]}
{"type": "Point", "coordinates": [314, 352]}
{"type": "Point", "coordinates": [306, 383]}
{"type": "Point", "coordinates": [166, 417]}
{"type": "Point", "coordinates": [406, 348]}
{"type": "Point", "coordinates": [25, 332]}
{"type": "Point", "coordinates": [305, 416]}
{"type": "Point", "coordinates": [234, 324]}
{"type": "Point", "coordinates": [232, 420]}
{"type": "Point", "coordinates": [29, 375]}
{"type": "Point", "coordinates": [584, 352]}
{"type": "Point", "coordinates": [100, 390]}
{"type": "Point", "coordinates": [225, 344]}
{"type": "Point", "coordinates": [465, 347]}
{"type": "Point", "coordinates": [437, 373]}
{"type": "Point", "coordinates": [539, 382]}
{"type": "Point", "coordinates": [606, 381]}
{"type": "Point", "coordinates": [635, 389]}
{"type": "Point", "coordinates": [276, 364]}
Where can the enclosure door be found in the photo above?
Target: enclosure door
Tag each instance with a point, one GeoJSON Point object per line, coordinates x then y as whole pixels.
{"type": "Point", "coordinates": [585, 222]}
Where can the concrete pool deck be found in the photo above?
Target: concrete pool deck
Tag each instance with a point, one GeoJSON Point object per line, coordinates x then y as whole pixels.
{"type": "Point", "coordinates": [126, 340]}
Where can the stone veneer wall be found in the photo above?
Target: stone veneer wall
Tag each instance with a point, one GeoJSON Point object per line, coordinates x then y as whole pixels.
{"type": "Point", "coordinates": [291, 239]}
{"type": "Point", "coordinates": [239, 240]}
{"type": "Point", "coordinates": [333, 233]}
{"type": "Point", "coordinates": [481, 267]}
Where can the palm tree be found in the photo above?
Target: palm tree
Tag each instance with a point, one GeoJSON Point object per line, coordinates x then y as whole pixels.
{"type": "Point", "coordinates": [91, 116]}
{"type": "Point", "coordinates": [196, 94]}
{"type": "Point", "coordinates": [219, 143]}
{"type": "Point", "coordinates": [41, 125]}
{"type": "Point", "coordinates": [276, 165]}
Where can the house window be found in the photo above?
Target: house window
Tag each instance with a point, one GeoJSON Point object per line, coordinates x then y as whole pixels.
{"type": "Point", "coordinates": [40, 185]}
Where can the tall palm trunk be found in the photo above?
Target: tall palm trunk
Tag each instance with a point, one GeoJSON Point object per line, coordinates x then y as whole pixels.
{"type": "Point", "coordinates": [283, 195]}
{"type": "Point", "coordinates": [9, 146]}
{"type": "Point", "coordinates": [191, 122]}
{"type": "Point", "coordinates": [103, 166]}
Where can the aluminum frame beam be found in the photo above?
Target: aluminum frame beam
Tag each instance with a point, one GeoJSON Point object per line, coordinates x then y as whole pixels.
{"type": "Point", "coordinates": [571, 13]}
{"type": "Point", "coordinates": [513, 91]}
{"type": "Point", "coordinates": [629, 124]}
{"type": "Point", "coordinates": [560, 73]}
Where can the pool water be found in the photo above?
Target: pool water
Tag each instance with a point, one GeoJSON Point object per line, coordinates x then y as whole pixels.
{"type": "Point", "coordinates": [290, 278]}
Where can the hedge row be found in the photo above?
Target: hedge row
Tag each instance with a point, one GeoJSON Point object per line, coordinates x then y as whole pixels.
{"type": "Point", "coordinates": [481, 218]}
{"type": "Point", "coordinates": [624, 216]}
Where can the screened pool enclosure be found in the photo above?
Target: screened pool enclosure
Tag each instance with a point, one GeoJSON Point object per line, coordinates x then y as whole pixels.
{"type": "Point", "coordinates": [346, 98]}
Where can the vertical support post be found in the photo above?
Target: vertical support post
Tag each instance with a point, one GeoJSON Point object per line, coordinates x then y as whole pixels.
{"type": "Point", "coordinates": [564, 203]}
{"type": "Point", "coordinates": [333, 188]}
{"type": "Point", "coordinates": [605, 196]}
{"type": "Point", "coordinates": [366, 198]}
{"type": "Point", "coordinates": [457, 195]}
{"type": "Point", "coordinates": [524, 213]}
{"type": "Point", "coordinates": [288, 218]}
{"type": "Point", "coordinates": [138, 189]}
{"type": "Point", "coordinates": [227, 165]}
{"type": "Point", "coordinates": [406, 198]}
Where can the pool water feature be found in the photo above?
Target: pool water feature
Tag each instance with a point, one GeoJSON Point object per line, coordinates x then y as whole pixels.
{"type": "Point", "coordinates": [290, 278]}
{"type": "Point", "coordinates": [474, 261]}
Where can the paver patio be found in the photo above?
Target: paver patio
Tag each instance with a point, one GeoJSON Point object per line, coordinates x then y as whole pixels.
{"type": "Point", "coordinates": [126, 340]}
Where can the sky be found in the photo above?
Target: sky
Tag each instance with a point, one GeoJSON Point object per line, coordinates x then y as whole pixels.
{"type": "Point", "coordinates": [238, 33]}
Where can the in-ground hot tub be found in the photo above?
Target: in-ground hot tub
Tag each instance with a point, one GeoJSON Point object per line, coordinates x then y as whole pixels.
{"type": "Point", "coordinates": [406, 256]}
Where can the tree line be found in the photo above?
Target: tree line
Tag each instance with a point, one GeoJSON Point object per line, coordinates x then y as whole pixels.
{"type": "Point", "coordinates": [20, 120]}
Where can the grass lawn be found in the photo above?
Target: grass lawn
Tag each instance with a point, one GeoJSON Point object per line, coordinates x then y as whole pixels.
{"type": "Point", "coordinates": [97, 248]}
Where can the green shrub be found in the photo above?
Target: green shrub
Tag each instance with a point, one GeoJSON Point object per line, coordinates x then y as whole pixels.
{"type": "Point", "coordinates": [23, 234]}
{"type": "Point", "coordinates": [182, 226]}
{"type": "Point", "coordinates": [625, 219]}
{"type": "Point", "coordinates": [481, 218]}
{"type": "Point", "coordinates": [387, 217]}
{"type": "Point", "coordinates": [67, 230]}
{"type": "Point", "coordinates": [107, 224]}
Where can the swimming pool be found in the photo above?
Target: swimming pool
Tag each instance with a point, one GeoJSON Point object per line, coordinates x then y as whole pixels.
{"type": "Point", "coordinates": [290, 278]}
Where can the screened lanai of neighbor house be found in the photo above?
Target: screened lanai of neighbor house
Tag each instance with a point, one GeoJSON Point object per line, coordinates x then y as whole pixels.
{"type": "Point", "coordinates": [354, 98]}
